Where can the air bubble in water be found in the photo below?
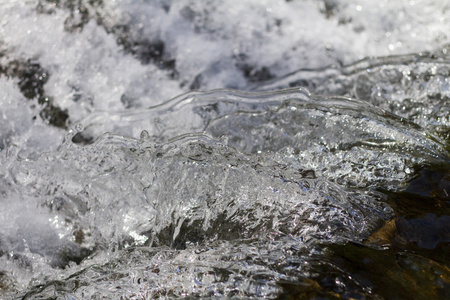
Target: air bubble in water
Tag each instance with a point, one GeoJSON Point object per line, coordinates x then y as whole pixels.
{"type": "Point", "coordinates": [79, 128]}
{"type": "Point", "coordinates": [144, 135]}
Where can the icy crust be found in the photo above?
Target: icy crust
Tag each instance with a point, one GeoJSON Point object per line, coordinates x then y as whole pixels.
{"type": "Point", "coordinates": [415, 87]}
{"type": "Point", "coordinates": [121, 192]}
{"type": "Point", "coordinates": [348, 141]}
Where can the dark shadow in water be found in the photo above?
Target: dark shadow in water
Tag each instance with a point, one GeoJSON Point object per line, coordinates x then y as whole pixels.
{"type": "Point", "coordinates": [407, 258]}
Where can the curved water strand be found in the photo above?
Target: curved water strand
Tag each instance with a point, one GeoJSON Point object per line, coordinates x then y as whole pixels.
{"type": "Point", "coordinates": [319, 131]}
{"type": "Point", "coordinates": [413, 86]}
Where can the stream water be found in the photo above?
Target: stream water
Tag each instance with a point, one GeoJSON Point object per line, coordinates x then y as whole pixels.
{"type": "Point", "coordinates": [279, 149]}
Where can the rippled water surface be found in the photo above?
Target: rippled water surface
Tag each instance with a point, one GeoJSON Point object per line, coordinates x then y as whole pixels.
{"type": "Point", "coordinates": [289, 163]}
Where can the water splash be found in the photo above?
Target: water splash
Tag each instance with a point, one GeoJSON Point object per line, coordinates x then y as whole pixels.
{"type": "Point", "coordinates": [415, 86]}
{"type": "Point", "coordinates": [223, 193]}
{"type": "Point", "coordinates": [347, 140]}
{"type": "Point", "coordinates": [231, 174]}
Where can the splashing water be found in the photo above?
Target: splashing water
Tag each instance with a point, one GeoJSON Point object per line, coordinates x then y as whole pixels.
{"type": "Point", "coordinates": [213, 175]}
{"type": "Point", "coordinates": [258, 189]}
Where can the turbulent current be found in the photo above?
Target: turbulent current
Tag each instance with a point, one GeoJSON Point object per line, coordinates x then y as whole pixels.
{"type": "Point", "coordinates": [326, 180]}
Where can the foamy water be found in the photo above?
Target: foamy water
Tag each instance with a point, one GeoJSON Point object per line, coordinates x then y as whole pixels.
{"type": "Point", "coordinates": [159, 149]}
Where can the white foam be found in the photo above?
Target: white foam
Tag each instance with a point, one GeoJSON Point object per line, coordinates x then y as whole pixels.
{"type": "Point", "coordinates": [206, 38]}
{"type": "Point", "coordinates": [22, 129]}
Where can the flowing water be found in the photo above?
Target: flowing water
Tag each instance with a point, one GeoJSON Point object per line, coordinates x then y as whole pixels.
{"type": "Point", "coordinates": [286, 164]}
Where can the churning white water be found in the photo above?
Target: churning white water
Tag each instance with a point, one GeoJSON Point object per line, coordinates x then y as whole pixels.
{"type": "Point", "coordinates": [204, 148]}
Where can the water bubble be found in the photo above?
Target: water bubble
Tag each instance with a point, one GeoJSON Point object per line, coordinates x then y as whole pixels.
{"type": "Point", "coordinates": [144, 135]}
{"type": "Point", "coordinates": [79, 128]}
